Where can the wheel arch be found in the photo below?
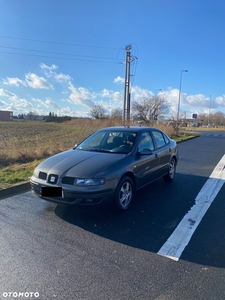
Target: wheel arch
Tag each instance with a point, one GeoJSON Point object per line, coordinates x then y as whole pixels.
{"type": "Point", "coordinates": [124, 192]}
{"type": "Point", "coordinates": [175, 158]}
{"type": "Point", "coordinates": [132, 177]}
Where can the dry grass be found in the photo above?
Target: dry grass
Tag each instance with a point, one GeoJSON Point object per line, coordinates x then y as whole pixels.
{"type": "Point", "coordinates": [23, 142]}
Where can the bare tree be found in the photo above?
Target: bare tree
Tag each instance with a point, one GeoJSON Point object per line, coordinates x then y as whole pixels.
{"type": "Point", "coordinates": [97, 112]}
{"type": "Point", "coordinates": [116, 113]}
{"type": "Point", "coordinates": [203, 119]}
{"type": "Point", "coordinates": [218, 118]}
{"type": "Point", "coordinates": [150, 109]}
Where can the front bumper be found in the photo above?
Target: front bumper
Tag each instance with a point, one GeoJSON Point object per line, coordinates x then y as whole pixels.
{"type": "Point", "coordinates": [90, 196]}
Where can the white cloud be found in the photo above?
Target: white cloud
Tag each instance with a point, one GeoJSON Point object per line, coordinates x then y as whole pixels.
{"type": "Point", "coordinates": [118, 80]}
{"type": "Point", "coordinates": [171, 96]}
{"type": "Point", "coordinates": [49, 71]}
{"type": "Point", "coordinates": [196, 100]}
{"type": "Point", "coordinates": [14, 81]}
{"type": "Point", "coordinates": [67, 111]}
{"type": "Point", "coordinates": [19, 105]}
{"type": "Point", "coordinates": [23, 103]}
{"type": "Point", "coordinates": [48, 103]}
{"type": "Point", "coordinates": [220, 101]}
{"type": "Point", "coordinates": [32, 80]}
{"type": "Point", "coordinates": [114, 96]}
{"type": "Point", "coordinates": [62, 77]}
{"type": "Point", "coordinates": [5, 93]}
{"type": "Point", "coordinates": [138, 93]}
{"type": "Point", "coordinates": [81, 96]}
{"type": "Point", "coordinates": [37, 82]}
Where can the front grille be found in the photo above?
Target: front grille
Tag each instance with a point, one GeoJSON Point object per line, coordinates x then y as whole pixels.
{"type": "Point", "coordinates": [42, 175]}
{"type": "Point", "coordinates": [68, 180]}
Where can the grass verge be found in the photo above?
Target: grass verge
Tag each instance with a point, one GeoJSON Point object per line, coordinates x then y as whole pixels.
{"type": "Point", "coordinates": [186, 136]}
{"type": "Point", "coordinates": [17, 173]}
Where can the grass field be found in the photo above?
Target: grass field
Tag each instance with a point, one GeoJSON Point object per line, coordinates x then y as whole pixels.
{"type": "Point", "coordinates": [24, 144]}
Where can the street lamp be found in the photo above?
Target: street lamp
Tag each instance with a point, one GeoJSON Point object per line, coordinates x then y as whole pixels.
{"type": "Point", "coordinates": [178, 109]}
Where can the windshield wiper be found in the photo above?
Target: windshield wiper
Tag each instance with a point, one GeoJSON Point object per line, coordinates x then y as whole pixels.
{"type": "Point", "coordinates": [98, 150]}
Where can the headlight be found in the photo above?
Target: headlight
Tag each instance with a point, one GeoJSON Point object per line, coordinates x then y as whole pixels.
{"type": "Point", "coordinates": [89, 181]}
{"type": "Point", "coordinates": [35, 174]}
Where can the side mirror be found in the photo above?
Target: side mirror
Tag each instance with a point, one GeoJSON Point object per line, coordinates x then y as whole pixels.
{"type": "Point", "coordinates": [76, 145]}
{"type": "Point", "coordinates": [145, 152]}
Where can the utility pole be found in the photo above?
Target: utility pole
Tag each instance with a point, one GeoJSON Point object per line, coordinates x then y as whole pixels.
{"type": "Point", "coordinates": [209, 110]}
{"type": "Point", "coordinates": [126, 104]}
{"type": "Point", "coordinates": [178, 109]}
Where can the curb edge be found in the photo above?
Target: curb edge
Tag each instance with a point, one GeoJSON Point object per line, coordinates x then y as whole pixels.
{"type": "Point", "coordinates": [15, 189]}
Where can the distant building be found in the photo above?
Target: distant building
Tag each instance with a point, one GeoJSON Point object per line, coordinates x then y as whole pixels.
{"type": "Point", "coordinates": [6, 115]}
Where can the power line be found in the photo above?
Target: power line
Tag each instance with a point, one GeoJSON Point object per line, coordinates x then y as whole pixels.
{"type": "Point", "coordinates": [59, 43]}
{"type": "Point", "coordinates": [53, 52]}
{"type": "Point", "coordinates": [57, 57]}
{"type": "Point", "coordinates": [82, 57]}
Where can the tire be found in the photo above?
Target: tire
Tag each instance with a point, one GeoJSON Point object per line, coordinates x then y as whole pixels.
{"type": "Point", "coordinates": [124, 194]}
{"type": "Point", "coordinates": [171, 172]}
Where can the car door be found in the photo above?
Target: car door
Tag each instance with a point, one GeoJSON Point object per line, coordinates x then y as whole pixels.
{"type": "Point", "coordinates": [162, 145]}
{"type": "Point", "coordinates": [147, 162]}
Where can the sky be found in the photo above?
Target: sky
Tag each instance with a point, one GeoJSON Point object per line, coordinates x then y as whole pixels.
{"type": "Point", "coordinates": [66, 56]}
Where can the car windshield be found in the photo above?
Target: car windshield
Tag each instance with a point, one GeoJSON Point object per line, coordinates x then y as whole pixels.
{"type": "Point", "coordinates": [109, 141]}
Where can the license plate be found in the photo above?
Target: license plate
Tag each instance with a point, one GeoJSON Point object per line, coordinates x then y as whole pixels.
{"type": "Point", "coordinates": [47, 191]}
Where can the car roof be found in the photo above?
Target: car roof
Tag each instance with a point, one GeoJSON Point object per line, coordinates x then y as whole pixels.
{"type": "Point", "coordinates": [129, 128]}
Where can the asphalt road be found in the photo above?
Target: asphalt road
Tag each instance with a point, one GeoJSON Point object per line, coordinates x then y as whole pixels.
{"type": "Point", "coordinates": [57, 252]}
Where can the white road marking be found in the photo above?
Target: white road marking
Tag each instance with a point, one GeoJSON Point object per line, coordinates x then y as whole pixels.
{"type": "Point", "coordinates": [181, 236]}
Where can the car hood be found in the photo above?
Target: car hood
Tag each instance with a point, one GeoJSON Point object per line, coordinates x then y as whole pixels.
{"type": "Point", "coordinates": [78, 163]}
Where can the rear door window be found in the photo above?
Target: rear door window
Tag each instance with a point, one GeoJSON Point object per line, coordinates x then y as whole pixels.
{"type": "Point", "coordinates": [159, 139]}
